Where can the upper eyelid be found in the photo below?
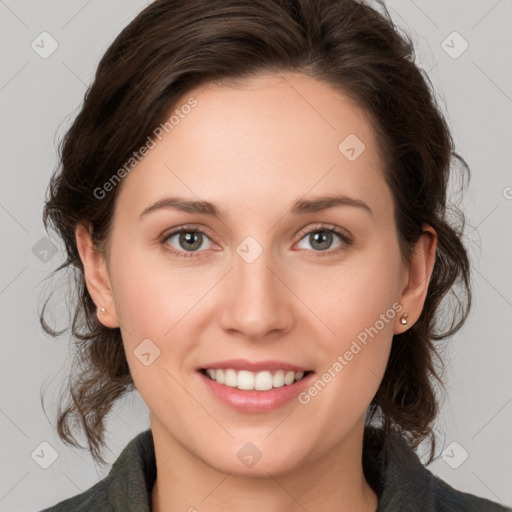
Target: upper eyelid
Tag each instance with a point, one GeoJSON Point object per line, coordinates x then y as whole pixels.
{"type": "Point", "coordinates": [325, 226]}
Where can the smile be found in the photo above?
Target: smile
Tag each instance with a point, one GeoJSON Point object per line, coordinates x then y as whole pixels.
{"type": "Point", "coordinates": [259, 391]}
{"type": "Point", "coordinates": [258, 381]}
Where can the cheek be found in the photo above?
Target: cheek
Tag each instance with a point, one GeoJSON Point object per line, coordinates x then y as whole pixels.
{"type": "Point", "coordinates": [150, 295]}
{"type": "Point", "coordinates": [359, 294]}
{"type": "Point", "coordinates": [162, 304]}
{"type": "Point", "coordinates": [360, 307]}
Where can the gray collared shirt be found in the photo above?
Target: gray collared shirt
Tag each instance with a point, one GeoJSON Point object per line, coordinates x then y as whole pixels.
{"type": "Point", "coordinates": [392, 469]}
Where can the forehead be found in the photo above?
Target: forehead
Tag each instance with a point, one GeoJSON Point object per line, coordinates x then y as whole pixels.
{"type": "Point", "coordinates": [272, 137]}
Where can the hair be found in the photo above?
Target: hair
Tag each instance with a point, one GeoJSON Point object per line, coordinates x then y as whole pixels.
{"type": "Point", "coordinates": [175, 46]}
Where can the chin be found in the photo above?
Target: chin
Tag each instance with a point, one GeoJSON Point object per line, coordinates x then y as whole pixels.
{"type": "Point", "coordinates": [252, 459]}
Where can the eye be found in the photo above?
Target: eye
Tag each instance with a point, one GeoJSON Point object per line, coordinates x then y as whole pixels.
{"type": "Point", "coordinates": [187, 240]}
{"type": "Point", "coordinates": [322, 237]}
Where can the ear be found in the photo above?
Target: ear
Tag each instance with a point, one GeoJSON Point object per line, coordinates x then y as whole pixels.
{"type": "Point", "coordinates": [96, 277]}
{"type": "Point", "coordinates": [417, 277]}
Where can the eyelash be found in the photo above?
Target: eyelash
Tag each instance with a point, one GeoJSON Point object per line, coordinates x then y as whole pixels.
{"type": "Point", "coordinates": [347, 241]}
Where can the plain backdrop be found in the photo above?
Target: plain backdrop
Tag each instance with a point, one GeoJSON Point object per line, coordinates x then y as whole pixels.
{"type": "Point", "coordinates": [39, 96]}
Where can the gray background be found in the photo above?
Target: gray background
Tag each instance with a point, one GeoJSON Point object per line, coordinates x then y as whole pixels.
{"type": "Point", "coordinates": [38, 99]}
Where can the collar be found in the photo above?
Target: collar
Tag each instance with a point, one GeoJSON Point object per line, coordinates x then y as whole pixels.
{"type": "Point", "coordinates": [396, 473]}
{"type": "Point", "coordinates": [392, 469]}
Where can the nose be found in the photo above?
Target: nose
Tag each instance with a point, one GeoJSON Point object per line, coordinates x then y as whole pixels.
{"type": "Point", "coordinates": [258, 301]}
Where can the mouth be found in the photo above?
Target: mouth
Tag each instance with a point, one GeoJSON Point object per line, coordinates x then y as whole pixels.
{"type": "Point", "coordinates": [246, 380]}
{"type": "Point", "coordinates": [250, 386]}
{"type": "Point", "coordinates": [254, 387]}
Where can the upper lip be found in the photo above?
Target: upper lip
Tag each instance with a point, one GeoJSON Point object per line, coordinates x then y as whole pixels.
{"type": "Point", "coordinates": [253, 366]}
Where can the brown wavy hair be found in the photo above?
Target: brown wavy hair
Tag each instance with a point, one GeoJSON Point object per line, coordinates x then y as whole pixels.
{"type": "Point", "coordinates": [174, 46]}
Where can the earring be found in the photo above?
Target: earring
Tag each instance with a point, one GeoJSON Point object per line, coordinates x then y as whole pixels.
{"type": "Point", "coordinates": [403, 318]}
{"type": "Point", "coordinates": [103, 310]}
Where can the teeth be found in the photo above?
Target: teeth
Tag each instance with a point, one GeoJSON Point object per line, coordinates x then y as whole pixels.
{"type": "Point", "coordinates": [260, 381]}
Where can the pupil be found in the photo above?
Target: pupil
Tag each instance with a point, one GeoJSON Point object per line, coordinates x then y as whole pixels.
{"type": "Point", "coordinates": [189, 238]}
{"type": "Point", "coordinates": [319, 235]}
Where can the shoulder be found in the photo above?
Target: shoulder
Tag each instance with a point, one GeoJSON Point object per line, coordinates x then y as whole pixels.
{"type": "Point", "coordinates": [126, 488]}
{"type": "Point", "coordinates": [449, 499]}
{"type": "Point", "coordinates": [95, 498]}
{"type": "Point", "coordinates": [400, 479]}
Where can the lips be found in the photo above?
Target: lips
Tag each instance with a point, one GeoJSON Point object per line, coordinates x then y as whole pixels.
{"type": "Point", "coordinates": [254, 386]}
{"type": "Point", "coordinates": [253, 401]}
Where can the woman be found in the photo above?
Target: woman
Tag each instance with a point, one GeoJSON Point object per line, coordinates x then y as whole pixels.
{"type": "Point", "coordinates": [254, 197]}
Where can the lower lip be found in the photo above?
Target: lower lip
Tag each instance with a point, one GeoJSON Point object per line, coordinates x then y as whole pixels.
{"type": "Point", "coordinates": [256, 401]}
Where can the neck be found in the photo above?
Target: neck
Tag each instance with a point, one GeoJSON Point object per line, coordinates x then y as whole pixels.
{"type": "Point", "coordinates": [332, 482]}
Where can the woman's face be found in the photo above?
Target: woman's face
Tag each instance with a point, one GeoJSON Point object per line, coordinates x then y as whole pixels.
{"type": "Point", "coordinates": [269, 282]}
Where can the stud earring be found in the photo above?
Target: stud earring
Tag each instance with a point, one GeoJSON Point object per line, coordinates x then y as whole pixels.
{"type": "Point", "coordinates": [103, 310]}
{"type": "Point", "coordinates": [403, 318]}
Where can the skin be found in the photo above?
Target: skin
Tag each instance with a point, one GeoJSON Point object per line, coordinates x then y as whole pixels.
{"type": "Point", "coordinates": [253, 149]}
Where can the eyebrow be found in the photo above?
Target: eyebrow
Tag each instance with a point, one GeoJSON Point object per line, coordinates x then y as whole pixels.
{"type": "Point", "coordinates": [300, 206]}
